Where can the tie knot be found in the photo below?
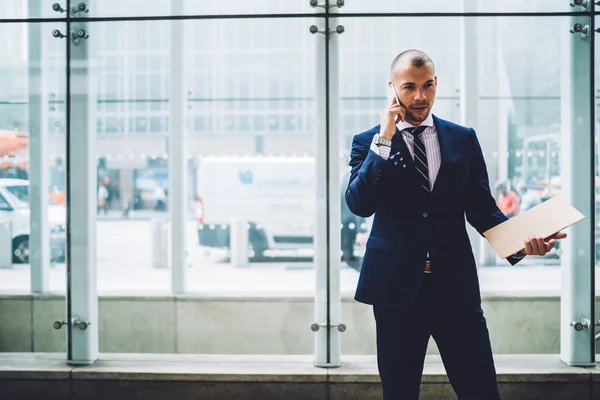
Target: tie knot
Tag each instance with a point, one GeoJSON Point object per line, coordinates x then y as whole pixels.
{"type": "Point", "coordinates": [416, 130]}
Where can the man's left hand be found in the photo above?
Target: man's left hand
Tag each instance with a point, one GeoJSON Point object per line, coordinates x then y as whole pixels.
{"type": "Point", "coordinates": [361, 239]}
{"type": "Point", "coordinates": [538, 246]}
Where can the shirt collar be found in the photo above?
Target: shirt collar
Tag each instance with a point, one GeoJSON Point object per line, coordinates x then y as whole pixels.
{"type": "Point", "coordinates": [404, 125]}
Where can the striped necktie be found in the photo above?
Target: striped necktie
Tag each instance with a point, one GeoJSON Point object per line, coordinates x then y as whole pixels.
{"type": "Point", "coordinates": [420, 156]}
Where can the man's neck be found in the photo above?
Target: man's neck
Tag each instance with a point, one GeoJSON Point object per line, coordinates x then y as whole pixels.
{"type": "Point", "coordinates": [417, 123]}
{"type": "Point", "coordinates": [427, 121]}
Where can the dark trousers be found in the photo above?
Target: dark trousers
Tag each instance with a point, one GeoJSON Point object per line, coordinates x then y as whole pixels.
{"type": "Point", "coordinates": [460, 332]}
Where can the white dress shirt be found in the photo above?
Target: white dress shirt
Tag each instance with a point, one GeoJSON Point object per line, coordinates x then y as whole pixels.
{"type": "Point", "coordinates": [430, 140]}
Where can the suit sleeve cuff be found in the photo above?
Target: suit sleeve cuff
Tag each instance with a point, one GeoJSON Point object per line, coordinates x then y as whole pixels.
{"type": "Point", "coordinates": [515, 258]}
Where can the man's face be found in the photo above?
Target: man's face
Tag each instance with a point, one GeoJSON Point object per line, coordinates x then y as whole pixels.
{"type": "Point", "coordinates": [416, 88]}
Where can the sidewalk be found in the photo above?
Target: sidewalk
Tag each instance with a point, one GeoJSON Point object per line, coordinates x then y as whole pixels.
{"type": "Point", "coordinates": [266, 279]}
{"type": "Point", "coordinates": [136, 215]}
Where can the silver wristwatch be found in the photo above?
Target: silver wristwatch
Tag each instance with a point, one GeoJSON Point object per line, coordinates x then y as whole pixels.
{"type": "Point", "coordinates": [381, 141]}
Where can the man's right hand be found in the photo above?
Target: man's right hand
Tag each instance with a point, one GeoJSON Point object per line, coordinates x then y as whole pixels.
{"type": "Point", "coordinates": [389, 117]}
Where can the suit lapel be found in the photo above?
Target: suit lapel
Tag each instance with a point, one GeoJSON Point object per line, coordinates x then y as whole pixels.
{"type": "Point", "coordinates": [444, 139]}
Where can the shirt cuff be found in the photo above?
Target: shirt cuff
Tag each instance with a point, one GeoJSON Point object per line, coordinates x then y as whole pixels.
{"type": "Point", "coordinates": [382, 151]}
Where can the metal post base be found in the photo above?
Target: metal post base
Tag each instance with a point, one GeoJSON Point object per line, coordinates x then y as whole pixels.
{"type": "Point", "coordinates": [81, 362]}
{"type": "Point", "coordinates": [327, 365]}
{"type": "Point", "coordinates": [579, 364]}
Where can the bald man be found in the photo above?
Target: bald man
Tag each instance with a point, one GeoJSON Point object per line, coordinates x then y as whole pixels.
{"type": "Point", "coordinates": [420, 175]}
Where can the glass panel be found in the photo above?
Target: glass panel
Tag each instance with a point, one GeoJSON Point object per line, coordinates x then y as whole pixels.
{"type": "Point", "coordinates": [131, 135]}
{"type": "Point", "coordinates": [21, 9]}
{"type": "Point", "coordinates": [15, 9]}
{"type": "Point", "coordinates": [117, 8]}
{"type": "Point", "coordinates": [32, 183]}
{"type": "Point", "coordinates": [228, 88]}
{"type": "Point", "coordinates": [597, 173]}
{"type": "Point", "coordinates": [274, 194]}
{"type": "Point", "coordinates": [15, 108]}
{"type": "Point", "coordinates": [455, 6]}
{"type": "Point", "coordinates": [516, 114]}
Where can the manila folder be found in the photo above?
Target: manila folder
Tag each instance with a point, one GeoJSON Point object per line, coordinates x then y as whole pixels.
{"type": "Point", "coordinates": [543, 220]}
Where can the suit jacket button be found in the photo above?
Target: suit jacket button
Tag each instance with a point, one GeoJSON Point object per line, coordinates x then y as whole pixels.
{"type": "Point", "coordinates": [425, 215]}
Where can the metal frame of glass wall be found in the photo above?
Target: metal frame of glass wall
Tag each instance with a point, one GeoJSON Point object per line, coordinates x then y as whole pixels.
{"type": "Point", "coordinates": [325, 20]}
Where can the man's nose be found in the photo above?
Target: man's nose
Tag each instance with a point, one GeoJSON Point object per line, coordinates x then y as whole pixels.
{"type": "Point", "coordinates": [419, 95]}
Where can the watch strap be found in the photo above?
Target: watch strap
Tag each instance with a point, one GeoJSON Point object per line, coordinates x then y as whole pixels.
{"type": "Point", "coordinates": [381, 141]}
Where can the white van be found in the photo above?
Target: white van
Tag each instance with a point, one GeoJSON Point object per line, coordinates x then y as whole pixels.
{"type": "Point", "coordinates": [14, 208]}
{"type": "Point", "coordinates": [274, 195]}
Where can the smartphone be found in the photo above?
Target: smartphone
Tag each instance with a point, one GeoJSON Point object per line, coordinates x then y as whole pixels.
{"type": "Point", "coordinates": [393, 95]}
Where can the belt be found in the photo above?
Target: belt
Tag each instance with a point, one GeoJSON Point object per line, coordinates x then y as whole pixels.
{"type": "Point", "coordinates": [427, 267]}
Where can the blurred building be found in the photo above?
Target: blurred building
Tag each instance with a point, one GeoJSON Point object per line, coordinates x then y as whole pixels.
{"type": "Point", "coordinates": [251, 83]}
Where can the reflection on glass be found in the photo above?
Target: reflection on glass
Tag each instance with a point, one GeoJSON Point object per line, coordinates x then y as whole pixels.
{"type": "Point", "coordinates": [260, 168]}
{"type": "Point", "coordinates": [31, 104]}
{"type": "Point", "coordinates": [454, 6]}
{"type": "Point", "coordinates": [19, 9]}
{"type": "Point", "coordinates": [250, 153]}
{"type": "Point", "coordinates": [118, 8]}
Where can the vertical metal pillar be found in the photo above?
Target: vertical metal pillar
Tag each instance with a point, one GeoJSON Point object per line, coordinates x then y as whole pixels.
{"type": "Point", "coordinates": [577, 346]}
{"type": "Point", "coordinates": [469, 91]}
{"type": "Point", "coordinates": [328, 218]}
{"type": "Point", "coordinates": [178, 206]}
{"type": "Point", "coordinates": [82, 295]}
{"type": "Point", "coordinates": [469, 104]}
{"type": "Point", "coordinates": [39, 180]}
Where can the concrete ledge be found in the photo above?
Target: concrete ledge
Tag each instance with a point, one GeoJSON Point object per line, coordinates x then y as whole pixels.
{"type": "Point", "coordinates": [36, 366]}
{"type": "Point", "coordinates": [263, 325]}
{"type": "Point", "coordinates": [152, 376]}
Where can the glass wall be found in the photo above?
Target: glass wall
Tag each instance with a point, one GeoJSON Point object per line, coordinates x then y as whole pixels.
{"type": "Point", "coordinates": [32, 182]}
{"type": "Point", "coordinates": [453, 6]}
{"type": "Point", "coordinates": [257, 90]}
{"type": "Point", "coordinates": [131, 79]}
{"type": "Point", "coordinates": [250, 121]}
{"type": "Point", "coordinates": [32, 143]}
{"type": "Point", "coordinates": [114, 8]}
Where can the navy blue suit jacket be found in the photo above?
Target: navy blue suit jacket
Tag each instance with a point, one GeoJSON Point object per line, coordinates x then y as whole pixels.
{"type": "Point", "coordinates": [406, 228]}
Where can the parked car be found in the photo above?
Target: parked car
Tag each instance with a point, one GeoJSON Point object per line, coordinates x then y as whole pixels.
{"type": "Point", "coordinates": [15, 209]}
